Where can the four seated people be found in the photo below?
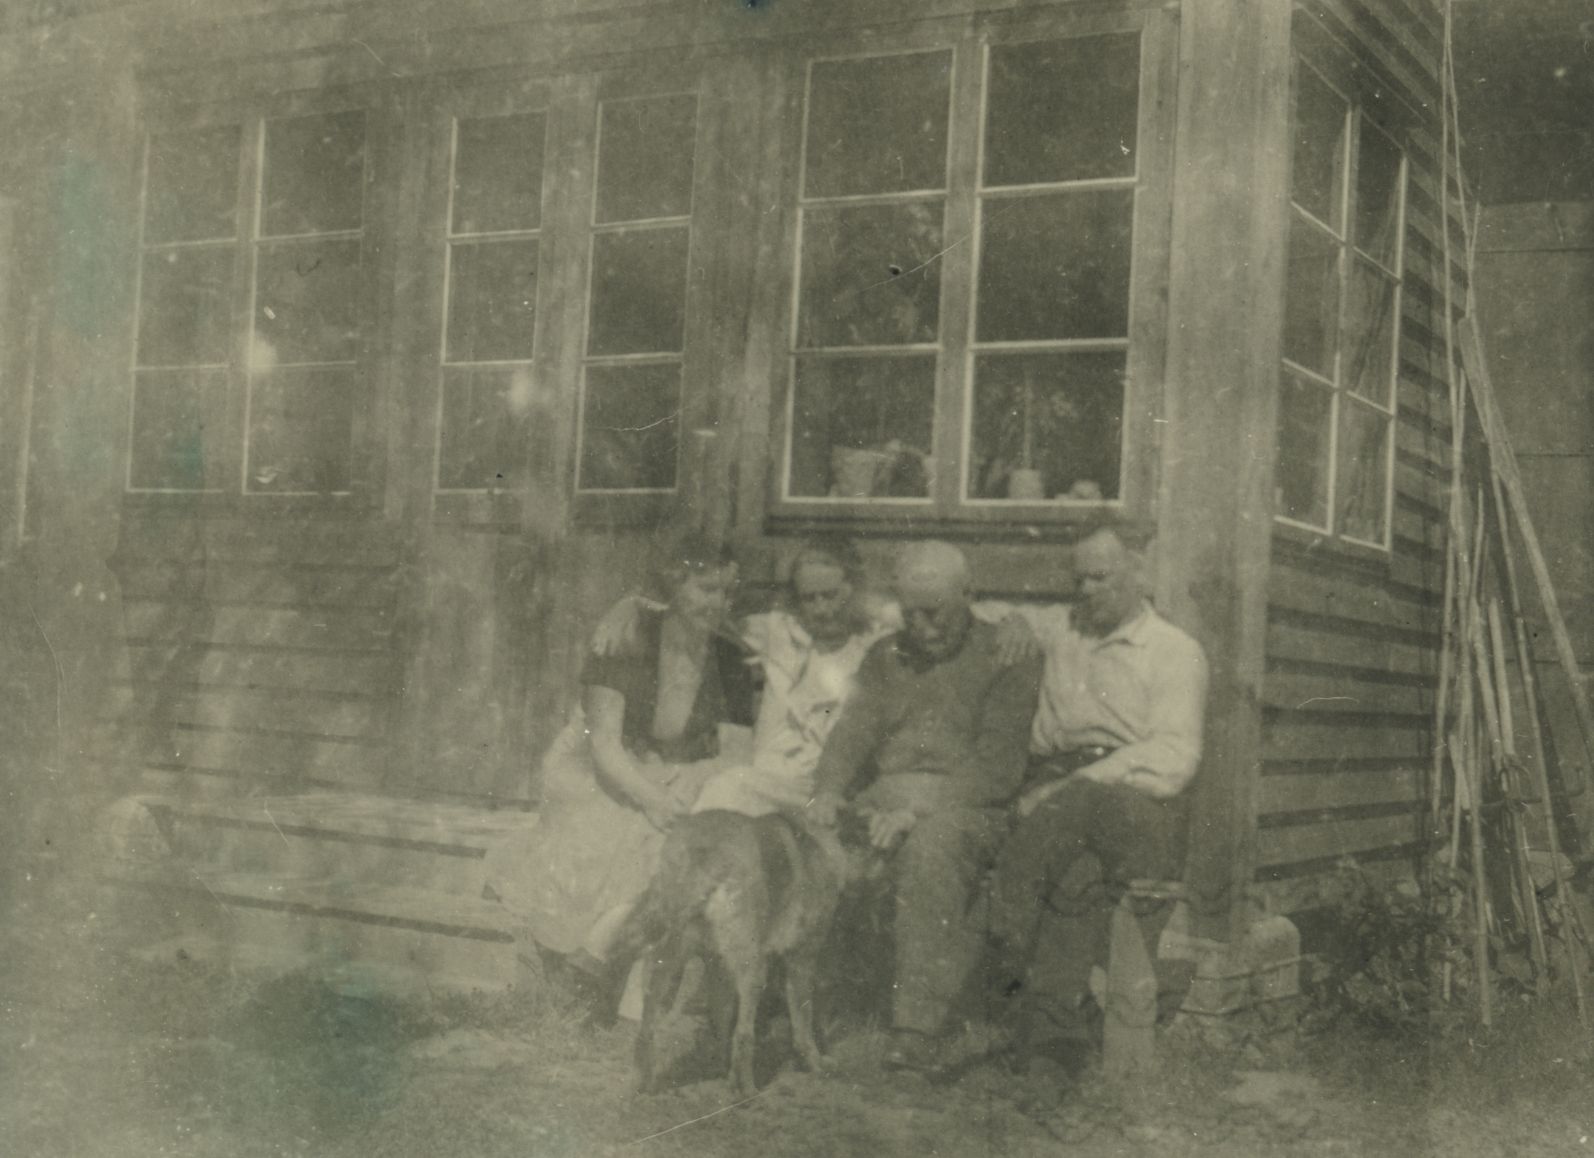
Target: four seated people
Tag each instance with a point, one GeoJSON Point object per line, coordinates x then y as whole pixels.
{"type": "Point", "coordinates": [1016, 765]}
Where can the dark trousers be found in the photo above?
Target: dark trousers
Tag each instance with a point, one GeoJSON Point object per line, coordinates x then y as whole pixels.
{"type": "Point", "coordinates": [1060, 875]}
{"type": "Point", "coordinates": [937, 875]}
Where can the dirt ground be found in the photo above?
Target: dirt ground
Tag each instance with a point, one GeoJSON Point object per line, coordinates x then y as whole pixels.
{"type": "Point", "coordinates": [103, 1053]}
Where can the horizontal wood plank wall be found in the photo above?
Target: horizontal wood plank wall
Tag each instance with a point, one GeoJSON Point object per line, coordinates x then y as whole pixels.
{"type": "Point", "coordinates": [1352, 640]}
{"type": "Point", "coordinates": [263, 652]}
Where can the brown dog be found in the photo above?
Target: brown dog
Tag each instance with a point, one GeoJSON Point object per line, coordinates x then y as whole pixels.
{"type": "Point", "coordinates": [737, 891]}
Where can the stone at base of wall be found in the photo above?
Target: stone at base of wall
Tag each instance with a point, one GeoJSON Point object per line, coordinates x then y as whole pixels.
{"type": "Point", "coordinates": [1245, 993]}
{"type": "Point", "coordinates": [1262, 967]}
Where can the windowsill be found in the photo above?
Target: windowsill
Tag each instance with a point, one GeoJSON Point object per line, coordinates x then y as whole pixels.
{"type": "Point", "coordinates": [478, 508]}
{"type": "Point", "coordinates": [996, 521]}
{"type": "Point", "coordinates": [1303, 542]}
{"type": "Point", "coordinates": [624, 508]}
{"type": "Point", "coordinates": [341, 505]}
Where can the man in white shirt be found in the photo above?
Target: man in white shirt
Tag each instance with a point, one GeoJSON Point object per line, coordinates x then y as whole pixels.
{"type": "Point", "coordinates": [1116, 740]}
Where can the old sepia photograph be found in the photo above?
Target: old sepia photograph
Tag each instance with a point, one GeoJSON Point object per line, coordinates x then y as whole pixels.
{"type": "Point", "coordinates": [796, 578]}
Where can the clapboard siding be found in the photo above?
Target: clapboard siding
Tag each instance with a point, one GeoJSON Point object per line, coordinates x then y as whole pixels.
{"type": "Point", "coordinates": [1284, 794]}
{"type": "Point", "coordinates": [264, 709]}
{"type": "Point", "coordinates": [1348, 687]}
{"type": "Point", "coordinates": [349, 629]}
{"type": "Point", "coordinates": [261, 650]}
{"type": "Point", "coordinates": [1292, 849]}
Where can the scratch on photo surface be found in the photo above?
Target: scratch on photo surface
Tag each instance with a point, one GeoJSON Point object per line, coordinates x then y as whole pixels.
{"type": "Point", "coordinates": [1327, 700]}
{"type": "Point", "coordinates": [649, 426]}
{"type": "Point", "coordinates": [694, 1121]}
{"type": "Point", "coordinates": [375, 57]}
{"type": "Point", "coordinates": [901, 273]}
{"type": "Point", "coordinates": [274, 824]}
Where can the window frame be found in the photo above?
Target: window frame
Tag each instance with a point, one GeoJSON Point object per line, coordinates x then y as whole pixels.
{"type": "Point", "coordinates": [591, 500]}
{"type": "Point", "coordinates": [367, 460]}
{"type": "Point", "coordinates": [1357, 119]}
{"type": "Point", "coordinates": [955, 349]}
{"type": "Point", "coordinates": [486, 98]}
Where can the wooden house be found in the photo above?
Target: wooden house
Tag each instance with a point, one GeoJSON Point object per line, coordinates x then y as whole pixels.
{"type": "Point", "coordinates": [354, 350]}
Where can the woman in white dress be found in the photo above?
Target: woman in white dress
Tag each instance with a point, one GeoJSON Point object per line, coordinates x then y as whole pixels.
{"type": "Point", "coordinates": [631, 760]}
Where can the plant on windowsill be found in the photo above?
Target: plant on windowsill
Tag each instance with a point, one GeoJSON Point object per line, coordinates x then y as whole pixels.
{"type": "Point", "coordinates": [1030, 422]}
{"type": "Point", "coordinates": [882, 466]}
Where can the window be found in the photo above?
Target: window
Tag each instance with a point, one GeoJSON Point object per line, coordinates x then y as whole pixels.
{"type": "Point", "coordinates": [249, 342]}
{"type": "Point", "coordinates": [628, 438]}
{"type": "Point", "coordinates": [494, 219]}
{"type": "Point", "coordinates": [1341, 320]}
{"type": "Point", "coordinates": [961, 336]}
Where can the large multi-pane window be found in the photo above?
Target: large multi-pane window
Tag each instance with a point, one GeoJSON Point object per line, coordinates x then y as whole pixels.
{"type": "Point", "coordinates": [493, 252]}
{"type": "Point", "coordinates": [628, 437]}
{"type": "Point", "coordinates": [1341, 319]}
{"type": "Point", "coordinates": [962, 318]}
{"type": "Point", "coordinates": [251, 305]}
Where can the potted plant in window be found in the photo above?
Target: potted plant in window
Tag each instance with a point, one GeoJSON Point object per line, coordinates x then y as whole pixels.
{"type": "Point", "coordinates": [869, 460]}
{"type": "Point", "coordinates": [1031, 420]}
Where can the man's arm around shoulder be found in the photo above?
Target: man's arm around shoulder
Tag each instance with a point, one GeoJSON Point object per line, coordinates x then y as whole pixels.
{"type": "Point", "coordinates": [1006, 719]}
{"type": "Point", "coordinates": [861, 726]}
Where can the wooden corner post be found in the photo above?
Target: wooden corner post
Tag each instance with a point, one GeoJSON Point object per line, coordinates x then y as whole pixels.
{"type": "Point", "coordinates": [1214, 495]}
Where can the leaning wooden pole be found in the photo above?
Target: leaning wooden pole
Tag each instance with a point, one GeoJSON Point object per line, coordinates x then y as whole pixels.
{"type": "Point", "coordinates": [1526, 665]}
{"type": "Point", "coordinates": [1570, 925]}
{"type": "Point", "coordinates": [1511, 780]}
{"type": "Point", "coordinates": [1505, 464]}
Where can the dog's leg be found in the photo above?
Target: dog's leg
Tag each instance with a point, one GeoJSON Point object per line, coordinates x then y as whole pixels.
{"type": "Point", "coordinates": [749, 973]}
{"type": "Point", "coordinates": [658, 1005]}
{"type": "Point", "coordinates": [719, 1000]}
{"type": "Point", "coordinates": [801, 968]}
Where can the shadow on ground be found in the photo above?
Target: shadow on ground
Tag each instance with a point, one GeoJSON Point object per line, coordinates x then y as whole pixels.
{"type": "Point", "coordinates": [109, 1054]}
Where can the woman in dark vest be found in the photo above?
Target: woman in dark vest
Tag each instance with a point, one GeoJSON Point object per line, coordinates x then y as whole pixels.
{"type": "Point", "coordinates": [631, 760]}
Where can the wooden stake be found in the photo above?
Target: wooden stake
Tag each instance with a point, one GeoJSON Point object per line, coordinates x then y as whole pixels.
{"type": "Point", "coordinates": [1570, 920]}
{"type": "Point", "coordinates": [1480, 890]}
{"type": "Point", "coordinates": [1526, 665]}
{"type": "Point", "coordinates": [1511, 775]}
{"type": "Point", "coordinates": [1442, 690]}
{"type": "Point", "coordinates": [1505, 465]}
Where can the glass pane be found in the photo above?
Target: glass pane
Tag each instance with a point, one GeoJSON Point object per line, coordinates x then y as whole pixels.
{"type": "Point", "coordinates": [1055, 266]}
{"type": "Point", "coordinates": [1320, 126]}
{"type": "Point", "coordinates": [1378, 171]}
{"type": "Point", "coordinates": [630, 427]}
{"type": "Point", "coordinates": [183, 306]}
{"type": "Point", "coordinates": [1047, 426]}
{"type": "Point", "coordinates": [1311, 298]}
{"type": "Point", "coordinates": [878, 125]}
{"type": "Point", "coordinates": [638, 291]}
{"type": "Point", "coordinates": [1360, 486]}
{"type": "Point", "coordinates": [1062, 110]}
{"type": "Point", "coordinates": [301, 426]}
{"type": "Point", "coordinates": [314, 174]}
{"type": "Point", "coordinates": [498, 173]}
{"type": "Point", "coordinates": [1369, 360]}
{"type": "Point", "coordinates": [1300, 476]}
{"type": "Point", "coordinates": [870, 275]}
{"type": "Point", "coordinates": [192, 188]}
{"type": "Point", "coordinates": [492, 301]}
{"type": "Point", "coordinates": [307, 303]}
{"type": "Point", "coordinates": [861, 427]}
{"type": "Point", "coordinates": [179, 421]}
{"type": "Point", "coordinates": [645, 158]}
{"type": "Point", "coordinates": [483, 440]}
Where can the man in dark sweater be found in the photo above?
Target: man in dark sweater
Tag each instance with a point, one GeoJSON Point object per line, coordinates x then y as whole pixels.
{"type": "Point", "coordinates": [932, 747]}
